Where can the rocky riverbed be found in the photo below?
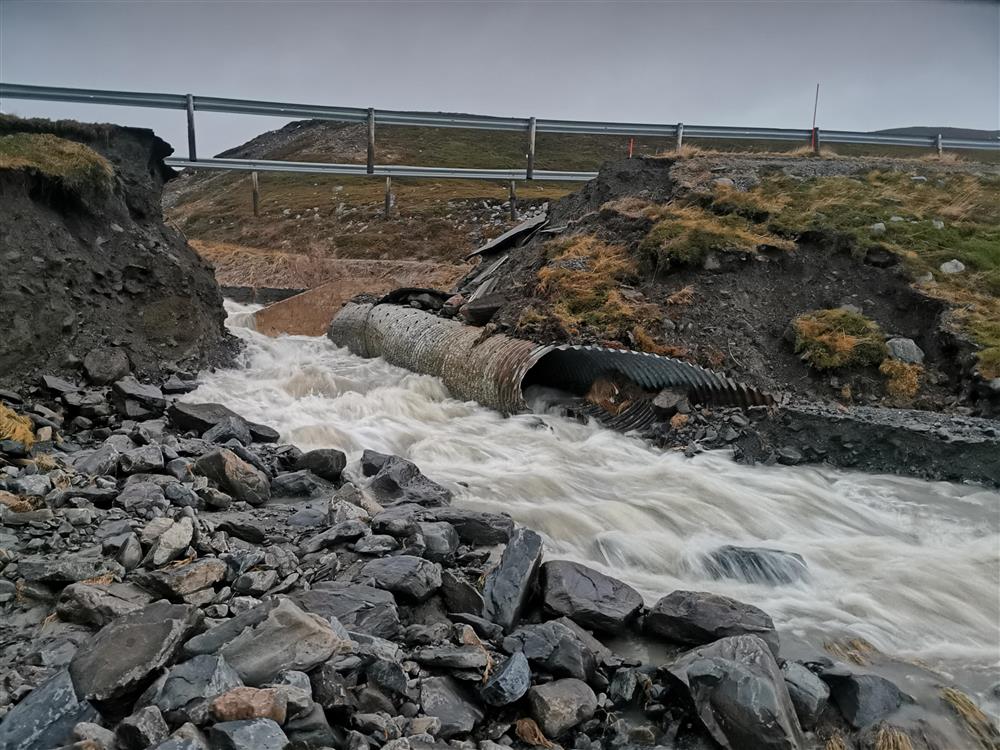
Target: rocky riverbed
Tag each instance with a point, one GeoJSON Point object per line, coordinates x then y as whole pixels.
{"type": "Point", "coordinates": [175, 576]}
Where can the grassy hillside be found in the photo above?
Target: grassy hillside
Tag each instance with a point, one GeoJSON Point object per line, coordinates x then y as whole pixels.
{"type": "Point", "coordinates": [332, 216]}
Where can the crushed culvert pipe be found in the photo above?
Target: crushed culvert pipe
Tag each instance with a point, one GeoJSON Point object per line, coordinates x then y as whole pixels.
{"type": "Point", "coordinates": [495, 370]}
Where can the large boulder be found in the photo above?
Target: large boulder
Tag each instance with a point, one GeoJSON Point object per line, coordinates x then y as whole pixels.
{"type": "Point", "coordinates": [400, 481]}
{"type": "Point", "coordinates": [864, 699]}
{"type": "Point", "coordinates": [202, 417]}
{"type": "Point", "coordinates": [509, 585]}
{"type": "Point", "coordinates": [509, 682]}
{"type": "Point", "coordinates": [560, 705]}
{"type": "Point", "coordinates": [183, 693]}
{"type": "Point", "coordinates": [697, 617]}
{"type": "Point", "coordinates": [327, 463]}
{"type": "Point", "coordinates": [90, 262]}
{"type": "Point", "coordinates": [359, 608]}
{"type": "Point", "coordinates": [739, 694]}
{"type": "Point", "coordinates": [280, 637]}
{"type": "Point", "coordinates": [446, 699]}
{"type": "Point", "coordinates": [587, 596]}
{"type": "Point", "coordinates": [46, 717]}
{"type": "Point", "coordinates": [123, 653]}
{"type": "Point", "coordinates": [554, 647]}
{"type": "Point", "coordinates": [409, 577]}
{"type": "Point", "coordinates": [756, 565]}
{"type": "Point", "coordinates": [98, 604]}
{"type": "Point", "coordinates": [234, 476]}
{"type": "Point", "coordinates": [474, 527]}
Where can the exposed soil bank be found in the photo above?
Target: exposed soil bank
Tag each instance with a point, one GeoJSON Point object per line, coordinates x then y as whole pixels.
{"type": "Point", "coordinates": [93, 268]}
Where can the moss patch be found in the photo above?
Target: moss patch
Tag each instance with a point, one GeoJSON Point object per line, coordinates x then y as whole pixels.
{"type": "Point", "coordinates": [838, 338]}
{"type": "Point", "coordinates": [77, 167]}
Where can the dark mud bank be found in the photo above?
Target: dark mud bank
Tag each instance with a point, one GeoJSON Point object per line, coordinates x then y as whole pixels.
{"type": "Point", "coordinates": [91, 269]}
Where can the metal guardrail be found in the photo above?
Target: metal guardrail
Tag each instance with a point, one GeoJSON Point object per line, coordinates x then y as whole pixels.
{"type": "Point", "coordinates": [530, 126]}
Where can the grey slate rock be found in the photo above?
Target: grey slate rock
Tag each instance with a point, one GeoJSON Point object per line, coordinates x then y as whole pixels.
{"type": "Point", "coordinates": [460, 595]}
{"type": "Point", "coordinates": [446, 699]}
{"type": "Point", "coordinates": [905, 350]}
{"type": "Point", "coordinates": [587, 596]}
{"type": "Point", "coordinates": [252, 734]}
{"type": "Point", "coordinates": [148, 458]}
{"type": "Point", "coordinates": [451, 657]}
{"type": "Point", "coordinates": [302, 483]}
{"type": "Point", "coordinates": [560, 705]}
{"type": "Point", "coordinates": [285, 638]}
{"type": "Point", "coordinates": [202, 417]}
{"type": "Point", "coordinates": [99, 604]}
{"type": "Point", "coordinates": [440, 540]}
{"type": "Point", "coordinates": [400, 481]}
{"type": "Point", "coordinates": [57, 384]}
{"type": "Point", "coordinates": [124, 652]}
{"type": "Point", "coordinates": [372, 462]}
{"type": "Point", "coordinates": [698, 617]}
{"type": "Point", "coordinates": [230, 428]}
{"type": "Point", "coordinates": [474, 527]}
{"type": "Point", "coordinates": [509, 682]}
{"type": "Point", "coordinates": [142, 729]}
{"type": "Point", "coordinates": [129, 389]}
{"type": "Point", "coordinates": [184, 692]}
{"type": "Point", "coordinates": [234, 476]}
{"type": "Point", "coordinates": [863, 699]}
{"type": "Point", "coordinates": [327, 463]}
{"type": "Point", "coordinates": [46, 716]}
{"type": "Point", "coordinates": [99, 462]}
{"type": "Point", "coordinates": [358, 608]}
{"type": "Point", "coordinates": [739, 694]}
{"type": "Point", "coordinates": [347, 531]}
{"type": "Point", "coordinates": [105, 365]}
{"type": "Point", "coordinates": [509, 585]}
{"type": "Point", "coordinates": [808, 692]}
{"type": "Point", "coordinates": [555, 648]}
{"type": "Point", "coordinates": [66, 568]}
{"type": "Point", "coordinates": [410, 577]}
{"type": "Point", "coordinates": [756, 565]}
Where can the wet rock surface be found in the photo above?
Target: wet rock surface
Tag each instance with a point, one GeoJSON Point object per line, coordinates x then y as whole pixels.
{"type": "Point", "coordinates": [162, 605]}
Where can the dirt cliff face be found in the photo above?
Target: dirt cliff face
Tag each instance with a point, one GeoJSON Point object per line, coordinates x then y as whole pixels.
{"type": "Point", "coordinates": [87, 262]}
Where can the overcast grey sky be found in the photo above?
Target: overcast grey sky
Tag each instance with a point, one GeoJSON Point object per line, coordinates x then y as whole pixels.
{"type": "Point", "coordinates": [881, 63]}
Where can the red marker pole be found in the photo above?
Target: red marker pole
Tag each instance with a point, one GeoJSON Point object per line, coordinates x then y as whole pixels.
{"type": "Point", "coordinates": [631, 143]}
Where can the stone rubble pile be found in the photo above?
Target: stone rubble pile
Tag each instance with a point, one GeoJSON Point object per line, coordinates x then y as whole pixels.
{"type": "Point", "coordinates": [174, 577]}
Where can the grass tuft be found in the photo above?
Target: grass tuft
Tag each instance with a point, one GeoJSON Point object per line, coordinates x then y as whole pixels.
{"type": "Point", "coordinates": [581, 281]}
{"type": "Point", "coordinates": [837, 338]}
{"type": "Point", "coordinates": [13, 426]}
{"type": "Point", "coordinates": [685, 235]}
{"type": "Point", "coordinates": [975, 721]}
{"type": "Point", "coordinates": [77, 167]}
{"type": "Point", "coordinates": [887, 737]}
{"type": "Point", "coordinates": [902, 378]}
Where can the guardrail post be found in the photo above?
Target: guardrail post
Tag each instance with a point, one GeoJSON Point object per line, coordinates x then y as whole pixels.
{"type": "Point", "coordinates": [532, 127]}
{"type": "Point", "coordinates": [255, 193]}
{"type": "Point", "coordinates": [388, 196]}
{"type": "Point", "coordinates": [939, 142]}
{"type": "Point", "coordinates": [513, 201]}
{"type": "Point", "coordinates": [192, 151]}
{"type": "Point", "coordinates": [371, 140]}
{"type": "Point", "coordinates": [680, 136]}
{"type": "Point", "coordinates": [815, 140]}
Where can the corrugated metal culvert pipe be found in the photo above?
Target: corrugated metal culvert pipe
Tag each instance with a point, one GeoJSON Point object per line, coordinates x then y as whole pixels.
{"type": "Point", "coordinates": [495, 370]}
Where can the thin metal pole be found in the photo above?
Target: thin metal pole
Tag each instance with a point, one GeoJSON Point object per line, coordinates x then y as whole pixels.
{"type": "Point", "coordinates": [532, 127]}
{"type": "Point", "coordinates": [680, 136]}
{"type": "Point", "coordinates": [255, 193]}
{"type": "Point", "coordinates": [513, 201]}
{"type": "Point", "coordinates": [815, 143]}
{"type": "Point", "coordinates": [940, 145]}
{"type": "Point", "coordinates": [192, 151]}
{"type": "Point", "coordinates": [371, 140]}
{"type": "Point", "coordinates": [388, 195]}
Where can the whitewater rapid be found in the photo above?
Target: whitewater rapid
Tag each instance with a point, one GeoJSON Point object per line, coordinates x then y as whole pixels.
{"type": "Point", "coordinates": [909, 565]}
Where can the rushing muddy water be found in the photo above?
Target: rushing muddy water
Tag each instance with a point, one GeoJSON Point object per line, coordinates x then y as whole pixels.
{"type": "Point", "coordinates": [911, 566]}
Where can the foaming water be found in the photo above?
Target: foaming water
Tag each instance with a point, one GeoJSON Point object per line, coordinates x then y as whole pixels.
{"type": "Point", "coordinates": [912, 566]}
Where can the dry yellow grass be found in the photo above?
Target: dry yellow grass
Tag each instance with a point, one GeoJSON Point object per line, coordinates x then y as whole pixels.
{"type": "Point", "coordinates": [581, 281]}
{"type": "Point", "coordinates": [528, 731]}
{"type": "Point", "coordinates": [856, 650]}
{"type": "Point", "coordinates": [887, 737]}
{"type": "Point", "coordinates": [975, 721]}
{"type": "Point", "coordinates": [683, 296]}
{"type": "Point", "coordinates": [15, 503]}
{"type": "Point", "coordinates": [13, 426]}
{"type": "Point", "coordinates": [902, 378]}
{"type": "Point", "coordinates": [836, 742]}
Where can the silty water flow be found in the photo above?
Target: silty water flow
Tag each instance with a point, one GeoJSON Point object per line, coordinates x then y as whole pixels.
{"type": "Point", "coordinates": [909, 565]}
